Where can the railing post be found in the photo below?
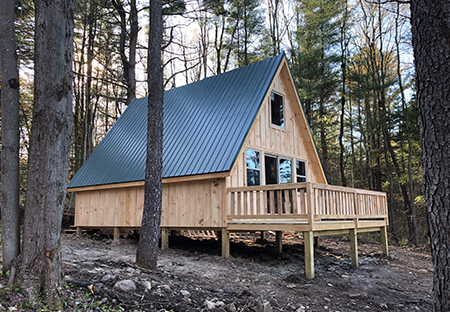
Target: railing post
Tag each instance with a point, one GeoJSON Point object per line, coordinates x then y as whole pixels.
{"type": "Point", "coordinates": [356, 209]}
{"type": "Point", "coordinates": [310, 205]}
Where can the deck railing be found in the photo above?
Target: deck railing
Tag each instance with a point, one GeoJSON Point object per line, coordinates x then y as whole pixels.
{"type": "Point", "coordinates": [306, 201]}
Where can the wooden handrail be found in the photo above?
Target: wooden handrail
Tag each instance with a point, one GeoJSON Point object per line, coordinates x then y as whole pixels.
{"type": "Point", "coordinates": [312, 200]}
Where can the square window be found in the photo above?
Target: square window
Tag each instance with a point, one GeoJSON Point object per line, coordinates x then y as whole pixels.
{"type": "Point", "coordinates": [277, 109]}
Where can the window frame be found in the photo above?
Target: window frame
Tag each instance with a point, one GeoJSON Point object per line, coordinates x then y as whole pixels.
{"type": "Point", "coordinates": [278, 160]}
{"type": "Point", "coordinates": [283, 125]}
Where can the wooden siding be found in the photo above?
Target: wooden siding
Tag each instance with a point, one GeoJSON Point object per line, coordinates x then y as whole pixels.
{"type": "Point", "coordinates": [110, 207]}
{"type": "Point", "coordinates": [294, 141]}
{"type": "Point", "coordinates": [193, 204]}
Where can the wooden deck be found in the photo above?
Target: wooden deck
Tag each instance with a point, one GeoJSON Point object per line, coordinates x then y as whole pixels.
{"type": "Point", "coordinates": [312, 208]}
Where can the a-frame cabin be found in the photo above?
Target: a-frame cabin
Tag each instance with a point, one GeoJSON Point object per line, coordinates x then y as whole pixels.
{"type": "Point", "coordinates": [238, 155]}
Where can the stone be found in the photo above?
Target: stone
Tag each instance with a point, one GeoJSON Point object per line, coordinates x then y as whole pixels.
{"type": "Point", "coordinates": [125, 285]}
{"type": "Point", "coordinates": [166, 288]}
{"type": "Point", "coordinates": [209, 305]}
{"type": "Point", "coordinates": [263, 306]}
{"type": "Point", "coordinates": [108, 278]}
{"type": "Point", "coordinates": [147, 285]}
{"type": "Point", "coordinates": [219, 304]}
{"type": "Point", "coordinates": [231, 307]}
{"type": "Point", "coordinates": [131, 270]}
{"type": "Point", "coordinates": [185, 293]}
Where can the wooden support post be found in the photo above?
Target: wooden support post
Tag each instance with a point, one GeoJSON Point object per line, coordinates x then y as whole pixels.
{"type": "Point", "coordinates": [116, 234]}
{"type": "Point", "coordinates": [354, 247]}
{"type": "Point", "coordinates": [384, 240]}
{"type": "Point", "coordinates": [316, 242]}
{"type": "Point", "coordinates": [225, 243]}
{"type": "Point", "coordinates": [79, 230]}
{"type": "Point", "coordinates": [164, 239]}
{"type": "Point", "coordinates": [309, 254]}
{"type": "Point", "coordinates": [279, 241]}
{"type": "Point", "coordinates": [263, 235]}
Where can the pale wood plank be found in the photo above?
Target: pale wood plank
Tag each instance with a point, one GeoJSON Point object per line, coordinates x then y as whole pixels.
{"type": "Point", "coordinates": [225, 243]}
{"type": "Point", "coordinates": [309, 254]}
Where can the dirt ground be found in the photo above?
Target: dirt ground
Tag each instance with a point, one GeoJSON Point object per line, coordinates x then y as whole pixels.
{"type": "Point", "coordinates": [192, 276]}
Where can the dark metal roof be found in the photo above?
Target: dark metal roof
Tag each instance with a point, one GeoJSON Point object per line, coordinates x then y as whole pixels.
{"type": "Point", "coordinates": [205, 125]}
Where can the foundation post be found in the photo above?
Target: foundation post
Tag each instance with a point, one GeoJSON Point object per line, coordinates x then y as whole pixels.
{"type": "Point", "coordinates": [384, 240]}
{"type": "Point", "coordinates": [164, 239]}
{"type": "Point", "coordinates": [279, 241]}
{"type": "Point", "coordinates": [309, 254]}
{"type": "Point", "coordinates": [354, 247]}
{"type": "Point", "coordinates": [225, 243]}
{"type": "Point", "coordinates": [79, 230]}
{"type": "Point", "coordinates": [316, 241]}
{"type": "Point", "coordinates": [116, 234]}
{"type": "Point", "coordinates": [263, 235]}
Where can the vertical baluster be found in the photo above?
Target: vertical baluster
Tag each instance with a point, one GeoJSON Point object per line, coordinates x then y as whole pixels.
{"type": "Point", "coordinates": [287, 202]}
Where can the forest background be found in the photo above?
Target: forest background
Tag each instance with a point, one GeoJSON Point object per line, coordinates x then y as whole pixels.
{"type": "Point", "coordinates": [351, 61]}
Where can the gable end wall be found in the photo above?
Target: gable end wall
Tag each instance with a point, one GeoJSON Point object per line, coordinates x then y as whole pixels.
{"type": "Point", "coordinates": [292, 142]}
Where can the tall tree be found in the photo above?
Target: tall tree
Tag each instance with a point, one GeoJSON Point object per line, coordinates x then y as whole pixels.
{"type": "Point", "coordinates": [147, 251]}
{"type": "Point", "coordinates": [10, 136]}
{"type": "Point", "coordinates": [131, 33]}
{"type": "Point", "coordinates": [39, 265]}
{"type": "Point", "coordinates": [430, 20]}
{"type": "Point", "coordinates": [316, 56]}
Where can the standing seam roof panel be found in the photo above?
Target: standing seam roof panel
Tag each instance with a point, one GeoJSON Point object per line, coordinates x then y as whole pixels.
{"type": "Point", "coordinates": [205, 125]}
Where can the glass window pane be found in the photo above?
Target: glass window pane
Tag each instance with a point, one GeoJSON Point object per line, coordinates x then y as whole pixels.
{"type": "Point", "coordinates": [301, 179]}
{"type": "Point", "coordinates": [271, 170]}
{"type": "Point", "coordinates": [253, 177]}
{"type": "Point", "coordinates": [285, 170]}
{"type": "Point", "coordinates": [252, 159]}
{"type": "Point", "coordinates": [277, 109]}
{"type": "Point", "coordinates": [301, 168]}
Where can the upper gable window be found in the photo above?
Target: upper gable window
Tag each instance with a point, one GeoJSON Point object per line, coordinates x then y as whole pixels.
{"type": "Point", "coordinates": [277, 109]}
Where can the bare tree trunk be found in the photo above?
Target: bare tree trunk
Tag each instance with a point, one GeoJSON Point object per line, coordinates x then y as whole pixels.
{"type": "Point", "coordinates": [10, 136]}
{"type": "Point", "coordinates": [430, 21]}
{"type": "Point", "coordinates": [129, 64]}
{"type": "Point", "coordinates": [147, 252]}
{"type": "Point", "coordinates": [323, 136]}
{"type": "Point", "coordinates": [343, 44]}
{"type": "Point", "coordinates": [39, 265]}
